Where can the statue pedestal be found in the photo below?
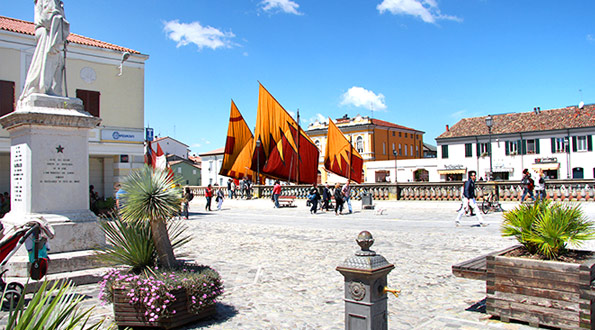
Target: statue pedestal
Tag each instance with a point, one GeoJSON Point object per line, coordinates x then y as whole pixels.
{"type": "Point", "coordinates": [49, 157]}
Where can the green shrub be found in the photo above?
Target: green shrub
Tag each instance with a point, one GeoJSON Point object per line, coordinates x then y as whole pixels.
{"type": "Point", "coordinates": [547, 228]}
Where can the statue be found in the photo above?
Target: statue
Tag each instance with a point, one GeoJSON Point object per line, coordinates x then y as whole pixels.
{"type": "Point", "coordinates": [47, 67]}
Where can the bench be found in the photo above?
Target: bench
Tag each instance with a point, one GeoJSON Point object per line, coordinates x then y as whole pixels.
{"type": "Point", "coordinates": [286, 201]}
{"type": "Point", "coordinates": [475, 268]}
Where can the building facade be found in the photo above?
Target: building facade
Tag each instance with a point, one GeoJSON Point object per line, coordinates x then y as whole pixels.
{"type": "Point", "coordinates": [558, 142]}
{"type": "Point", "coordinates": [171, 146]}
{"type": "Point", "coordinates": [374, 139]}
{"type": "Point", "coordinates": [210, 167]}
{"type": "Point", "coordinates": [110, 81]}
{"type": "Point", "coordinates": [185, 170]}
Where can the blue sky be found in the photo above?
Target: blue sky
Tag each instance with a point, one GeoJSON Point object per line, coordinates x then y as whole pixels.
{"type": "Point", "coordinates": [418, 63]}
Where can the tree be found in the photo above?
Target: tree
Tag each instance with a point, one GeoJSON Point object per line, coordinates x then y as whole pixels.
{"type": "Point", "coordinates": [153, 195]}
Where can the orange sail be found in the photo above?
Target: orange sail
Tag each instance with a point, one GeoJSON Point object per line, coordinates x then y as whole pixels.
{"type": "Point", "coordinates": [281, 143]}
{"type": "Point", "coordinates": [236, 159]}
{"type": "Point", "coordinates": [340, 157]}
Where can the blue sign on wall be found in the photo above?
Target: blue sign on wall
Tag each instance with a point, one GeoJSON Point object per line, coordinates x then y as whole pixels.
{"type": "Point", "coordinates": [148, 134]}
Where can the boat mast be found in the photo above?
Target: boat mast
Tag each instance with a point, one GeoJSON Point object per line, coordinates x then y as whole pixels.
{"type": "Point", "coordinates": [297, 168]}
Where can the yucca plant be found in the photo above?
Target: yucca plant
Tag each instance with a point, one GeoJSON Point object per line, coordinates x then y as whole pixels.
{"type": "Point", "coordinates": [55, 307]}
{"type": "Point", "coordinates": [153, 196]}
{"type": "Point", "coordinates": [547, 228]}
{"type": "Point", "coordinates": [130, 243]}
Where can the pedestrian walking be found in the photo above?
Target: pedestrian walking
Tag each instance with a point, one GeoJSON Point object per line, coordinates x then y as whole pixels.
{"type": "Point", "coordinates": [326, 197]}
{"type": "Point", "coordinates": [276, 193]}
{"type": "Point", "coordinates": [338, 194]}
{"type": "Point", "coordinates": [188, 196]}
{"type": "Point", "coordinates": [314, 197]}
{"type": "Point", "coordinates": [469, 199]}
{"type": "Point", "coordinates": [528, 185]}
{"type": "Point", "coordinates": [540, 187]}
{"type": "Point", "coordinates": [219, 198]}
{"type": "Point", "coordinates": [208, 196]}
{"type": "Point", "coordinates": [347, 196]}
{"type": "Point", "coordinates": [229, 188]}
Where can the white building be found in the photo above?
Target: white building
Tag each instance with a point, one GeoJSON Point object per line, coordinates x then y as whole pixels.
{"type": "Point", "coordinates": [557, 141]}
{"type": "Point", "coordinates": [171, 146]}
{"type": "Point", "coordinates": [110, 84]}
{"type": "Point", "coordinates": [210, 167]}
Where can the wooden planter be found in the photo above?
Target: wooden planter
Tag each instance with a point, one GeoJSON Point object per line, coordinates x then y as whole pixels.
{"type": "Point", "coordinates": [127, 315]}
{"type": "Point", "coordinates": [551, 293]}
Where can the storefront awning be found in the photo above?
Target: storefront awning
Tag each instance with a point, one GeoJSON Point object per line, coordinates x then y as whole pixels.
{"type": "Point", "coordinates": [451, 171]}
{"type": "Point", "coordinates": [546, 166]}
{"type": "Point", "coordinates": [502, 169]}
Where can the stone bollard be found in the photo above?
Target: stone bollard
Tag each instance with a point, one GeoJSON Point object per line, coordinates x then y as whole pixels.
{"type": "Point", "coordinates": [365, 287]}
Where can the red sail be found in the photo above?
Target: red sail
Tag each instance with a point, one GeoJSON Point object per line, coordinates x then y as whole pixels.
{"type": "Point", "coordinates": [279, 148]}
{"type": "Point", "coordinates": [340, 156]}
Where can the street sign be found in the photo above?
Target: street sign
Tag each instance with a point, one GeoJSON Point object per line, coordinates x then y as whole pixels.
{"type": "Point", "coordinates": [148, 134]}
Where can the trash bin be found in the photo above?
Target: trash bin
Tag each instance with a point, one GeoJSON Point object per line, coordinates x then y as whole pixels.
{"type": "Point", "coordinates": [367, 201]}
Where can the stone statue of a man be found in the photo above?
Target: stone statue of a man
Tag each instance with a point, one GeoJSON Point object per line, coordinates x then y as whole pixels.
{"type": "Point", "coordinates": [47, 66]}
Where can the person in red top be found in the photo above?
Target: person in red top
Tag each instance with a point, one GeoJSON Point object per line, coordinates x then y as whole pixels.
{"type": "Point", "coordinates": [276, 193]}
{"type": "Point", "coordinates": [209, 197]}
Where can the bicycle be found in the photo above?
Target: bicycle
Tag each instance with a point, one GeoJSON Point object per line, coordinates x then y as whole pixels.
{"type": "Point", "coordinates": [491, 203]}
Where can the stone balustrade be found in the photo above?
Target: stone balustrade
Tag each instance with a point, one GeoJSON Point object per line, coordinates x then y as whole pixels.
{"type": "Point", "coordinates": [558, 190]}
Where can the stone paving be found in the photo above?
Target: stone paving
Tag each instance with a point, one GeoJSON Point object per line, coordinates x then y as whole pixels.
{"type": "Point", "coordinates": [278, 265]}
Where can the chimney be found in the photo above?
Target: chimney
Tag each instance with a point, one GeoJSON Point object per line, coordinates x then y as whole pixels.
{"type": "Point", "coordinates": [447, 128]}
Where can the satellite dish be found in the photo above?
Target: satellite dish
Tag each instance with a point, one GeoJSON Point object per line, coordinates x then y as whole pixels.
{"type": "Point", "coordinates": [581, 105]}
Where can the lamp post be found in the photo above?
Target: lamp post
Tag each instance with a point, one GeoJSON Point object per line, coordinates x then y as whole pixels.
{"type": "Point", "coordinates": [258, 161]}
{"type": "Point", "coordinates": [489, 124]}
{"type": "Point", "coordinates": [395, 154]}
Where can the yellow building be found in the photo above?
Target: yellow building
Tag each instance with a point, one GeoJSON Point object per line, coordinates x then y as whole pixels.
{"type": "Point", "coordinates": [110, 81]}
{"type": "Point", "coordinates": [374, 139]}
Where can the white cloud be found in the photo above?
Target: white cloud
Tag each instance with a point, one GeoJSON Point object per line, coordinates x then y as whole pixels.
{"type": "Point", "coordinates": [361, 97]}
{"type": "Point", "coordinates": [590, 37]}
{"type": "Point", "coordinates": [194, 33]}
{"type": "Point", "coordinates": [459, 114]}
{"type": "Point", "coordinates": [318, 117]}
{"type": "Point", "coordinates": [427, 10]}
{"type": "Point", "coordinates": [285, 6]}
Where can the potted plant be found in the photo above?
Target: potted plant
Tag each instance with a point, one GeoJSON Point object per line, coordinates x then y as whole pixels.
{"type": "Point", "coordinates": [154, 289]}
{"type": "Point", "coordinates": [542, 281]}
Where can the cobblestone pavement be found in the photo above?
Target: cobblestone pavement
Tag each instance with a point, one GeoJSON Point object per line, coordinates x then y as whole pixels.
{"type": "Point", "coordinates": [278, 265]}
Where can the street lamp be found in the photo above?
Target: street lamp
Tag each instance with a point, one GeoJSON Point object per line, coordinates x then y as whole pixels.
{"type": "Point", "coordinates": [489, 124]}
{"type": "Point", "coordinates": [258, 161]}
{"type": "Point", "coordinates": [395, 154]}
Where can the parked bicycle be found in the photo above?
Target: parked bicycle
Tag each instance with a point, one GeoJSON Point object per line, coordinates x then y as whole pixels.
{"type": "Point", "coordinates": [491, 203]}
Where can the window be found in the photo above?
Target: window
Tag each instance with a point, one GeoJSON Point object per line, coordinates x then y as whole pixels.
{"type": "Point", "coordinates": [400, 153]}
{"type": "Point", "coordinates": [180, 170]}
{"type": "Point", "coordinates": [6, 97]}
{"type": "Point", "coordinates": [359, 142]}
{"type": "Point", "coordinates": [384, 148]}
{"type": "Point", "coordinates": [512, 147]}
{"type": "Point", "coordinates": [468, 149]}
{"type": "Point", "coordinates": [411, 150]}
{"type": "Point", "coordinates": [445, 151]}
{"type": "Point", "coordinates": [393, 148]}
{"type": "Point", "coordinates": [393, 133]}
{"type": "Point", "coordinates": [582, 143]}
{"type": "Point", "coordinates": [399, 134]}
{"type": "Point", "coordinates": [405, 150]}
{"type": "Point", "coordinates": [317, 143]}
{"type": "Point", "coordinates": [210, 165]}
{"type": "Point", "coordinates": [405, 134]}
{"type": "Point", "coordinates": [193, 172]}
{"type": "Point", "coordinates": [417, 151]}
{"type": "Point", "coordinates": [90, 101]}
{"type": "Point", "coordinates": [483, 149]}
{"type": "Point", "coordinates": [531, 146]}
{"type": "Point", "coordinates": [559, 145]}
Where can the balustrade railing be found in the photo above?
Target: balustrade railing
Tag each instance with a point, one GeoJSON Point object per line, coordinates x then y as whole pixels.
{"type": "Point", "coordinates": [559, 190]}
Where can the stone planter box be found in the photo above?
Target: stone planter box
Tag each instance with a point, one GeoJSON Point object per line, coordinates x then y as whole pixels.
{"type": "Point", "coordinates": [551, 293]}
{"type": "Point", "coordinates": [127, 315]}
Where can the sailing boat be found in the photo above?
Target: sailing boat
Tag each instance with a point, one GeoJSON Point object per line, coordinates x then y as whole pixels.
{"type": "Point", "coordinates": [238, 147]}
{"type": "Point", "coordinates": [340, 157]}
{"type": "Point", "coordinates": [286, 152]}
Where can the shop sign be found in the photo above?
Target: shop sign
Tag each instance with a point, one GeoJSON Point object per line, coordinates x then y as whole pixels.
{"type": "Point", "coordinates": [125, 136]}
{"type": "Point", "coordinates": [547, 160]}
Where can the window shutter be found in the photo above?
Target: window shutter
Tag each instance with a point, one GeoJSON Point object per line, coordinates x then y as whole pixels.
{"type": "Point", "coordinates": [589, 143]}
{"type": "Point", "coordinates": [519, 147]}
{"type": "Point", "coordinates": [478, 149]}
{"type": "Point", "coordinates": [574, 144]}
{"type": "Point", "coordinates": [90, 101]}
{"type": "Point", "coordinates": [553, 145]}
{"type": "Point", "coordinates": [537, 146]}
{"type": "Point", "coordinates": [490, 149]}
{"type": "Point", "coordinates": [524, 147]}
{"type": "Point", "coordinates": [6, 97]}
{"type": "Point", "coordinates": [507, 148]}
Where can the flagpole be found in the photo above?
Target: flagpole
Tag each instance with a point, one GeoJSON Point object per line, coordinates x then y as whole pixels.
{"type": "Point", "coordinates": [298, 148]}
{"type": "Point", "coordinates": [350, 155]}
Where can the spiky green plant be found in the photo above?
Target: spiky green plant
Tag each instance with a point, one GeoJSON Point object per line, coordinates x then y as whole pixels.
{"type": "Point", "coordinates": [547, 228]}
{"type": "Point", "coordinates": [153, 196]}
{"type": "Point", "coordinates": [55, 307]}
{"type": "Point", "coordinates": [130, 243]}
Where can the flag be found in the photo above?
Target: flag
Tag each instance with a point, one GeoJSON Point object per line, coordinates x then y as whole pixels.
{"type": "Point", "coordinates": [278, 134]}
{"type": "Point", "coordinates": [149, 155]}
{"type": "Point", "coordinates": [340, 157]}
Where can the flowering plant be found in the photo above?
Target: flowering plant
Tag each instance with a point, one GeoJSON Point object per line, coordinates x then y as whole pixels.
{"type": "Point", "coordinates": [152, 292]}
